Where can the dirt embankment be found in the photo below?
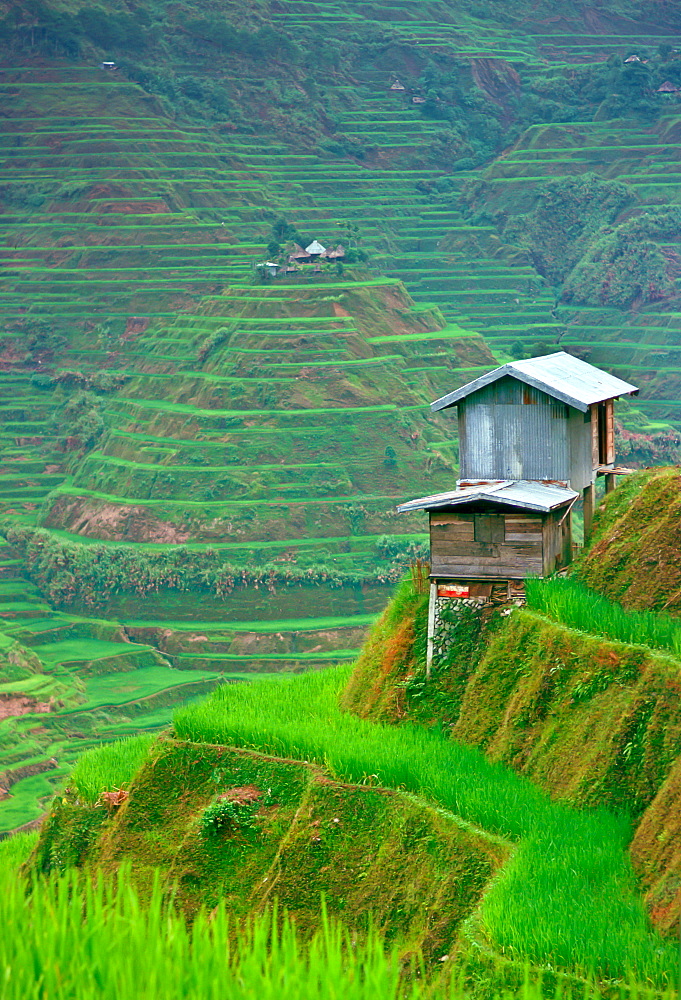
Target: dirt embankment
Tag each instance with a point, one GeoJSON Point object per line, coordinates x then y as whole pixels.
{"type": "Point", "coordinates": [12, 706]}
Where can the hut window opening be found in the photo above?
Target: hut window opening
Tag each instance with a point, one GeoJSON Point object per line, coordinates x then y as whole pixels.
{"type": "Point", "coordinates": [606, 433]}
{"type": "Point", "coordinates": [490, 528]}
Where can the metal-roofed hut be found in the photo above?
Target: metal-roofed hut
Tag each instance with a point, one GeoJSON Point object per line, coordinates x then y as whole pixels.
{"type": "Point", "coordinates": [549, 419]}
{"type": "Point", "coordinates": [532, 435]}
{"type": "Point", "coordinates": [498, 531]}
{"type": "Point", "coordinates": [668, 88]}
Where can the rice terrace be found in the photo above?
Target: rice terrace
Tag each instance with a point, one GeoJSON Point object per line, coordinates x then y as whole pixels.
{"type": "Point", "coordinates": [340, 500]}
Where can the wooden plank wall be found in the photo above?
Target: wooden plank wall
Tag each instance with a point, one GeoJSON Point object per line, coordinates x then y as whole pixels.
{"type": "Point", "coordinates": [455, 553]}
{"type": "Point", "coordinates": [557, 541]}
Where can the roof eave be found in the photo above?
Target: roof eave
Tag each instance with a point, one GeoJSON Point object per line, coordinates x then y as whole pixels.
{"type": "Point", "coordinates": [414, 505]}
{"type": "Point", "coordinates": [452, 398]}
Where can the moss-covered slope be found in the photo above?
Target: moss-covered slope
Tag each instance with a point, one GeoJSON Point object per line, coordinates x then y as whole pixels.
{"type": "Point", "coordinates": [634, 554]}
{"type": "Point", "coordinates": [221, 823]}
{"type": "Point", "coordinates": [595, 722]}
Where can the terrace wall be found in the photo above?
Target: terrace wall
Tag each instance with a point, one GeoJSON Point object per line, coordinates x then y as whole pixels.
{"type": "Point", "coordinates": [595, 722]}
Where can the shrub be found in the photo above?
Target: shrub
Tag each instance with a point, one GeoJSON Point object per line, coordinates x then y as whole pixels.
{"type": "Point", "coordinates": [219, 816]}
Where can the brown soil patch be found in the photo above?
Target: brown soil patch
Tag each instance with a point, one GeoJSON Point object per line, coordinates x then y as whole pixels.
{"type": "Point", "coordinates": [241, 795]}
{"type": "Point", "coordinates": [134, 208]}
{"type": "Point", "coordinates": [12, 706]}
{"type": "Point", "coordinates": [112, 522]}
{"type": "Point", "coordinates": [135, 325]}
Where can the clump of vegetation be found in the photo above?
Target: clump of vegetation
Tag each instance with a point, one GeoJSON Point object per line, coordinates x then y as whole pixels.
{"type": "Point", "coordinates": [79, 421]}
{"type": "Point", "coordinates": [568, 213]}
{"type": "Point", "coordinates": [619, 269]}
{"type": "Point", "coordinates": [107, 767]}
{"type": "Point", "coordinates": [70, 573]}
{"type": "Point", "coordinates": [225, 813]}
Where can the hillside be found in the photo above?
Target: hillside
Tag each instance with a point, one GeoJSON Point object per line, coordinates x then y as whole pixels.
{"type": "Point", "coordinates": [634, 553]}
{"type": "Point", "coordinates": [216, 460]}
{"type": "Point", "coordinates": [209, 815]}
{"type": "Point", "coordinates": [253, 829]}
{"type": "Point", "coordinates": [575, 692]}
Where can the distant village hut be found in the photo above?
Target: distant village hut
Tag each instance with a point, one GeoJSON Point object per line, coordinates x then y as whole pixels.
{"type": "Point", "coordinates": [315, 250]}
{"type": "Point", "coordinates": [668, 88]}
{"type": "Point", "coordinates": [334, 253]}
{"type": "Point", "coordinates": [533, 436]}
{"type": "Point", "coordinates": [298, 255]}
{"type": "Point", "coordinates": [269, 268]}
{"type": "Point", "coordinates": [397, 87]}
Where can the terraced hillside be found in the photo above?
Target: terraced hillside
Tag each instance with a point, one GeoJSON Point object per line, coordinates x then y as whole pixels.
{"type": "Point", "coordinates": [157, 363]}
{"type": "Point", "coordinates": [216, 460]}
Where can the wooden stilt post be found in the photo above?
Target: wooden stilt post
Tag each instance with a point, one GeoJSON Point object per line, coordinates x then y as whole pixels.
{"type": "Point", "coordinates": [610, 482]}
{"type": "Point", "coordinates": [431, 627]}
{"type": "Point", "coordinates": [589, 495]}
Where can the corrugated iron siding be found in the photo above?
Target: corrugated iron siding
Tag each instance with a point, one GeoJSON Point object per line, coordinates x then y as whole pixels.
{"type": "Point", "coordinates": [509, 430]}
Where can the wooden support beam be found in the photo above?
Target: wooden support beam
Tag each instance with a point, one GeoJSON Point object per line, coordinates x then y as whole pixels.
{"type": "Point", "coordinates": [431, 627]}
{"type": "Point", "coordinates": [610, 482]}
{"type": "Point", "coordinates": [589, 497]}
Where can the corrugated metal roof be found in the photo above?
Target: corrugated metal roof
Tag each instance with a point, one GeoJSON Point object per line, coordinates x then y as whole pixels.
{"type": "Point", "coordinates": [532, 496]}
{"type": "Point", "coordinates": [569, 379]}
{"type": "Point", "coordinates": [315, 247]}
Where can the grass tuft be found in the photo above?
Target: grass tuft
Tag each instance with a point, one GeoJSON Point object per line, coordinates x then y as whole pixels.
{"type": "Point", "coordinates": [112, 766]}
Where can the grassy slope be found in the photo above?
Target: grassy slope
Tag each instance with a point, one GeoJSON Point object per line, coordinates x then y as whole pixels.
{"type": "Point", "coordinates": [132, 947]}
{"type": "Point", "coordinates": [594, 721]}
{"type": "Point", "coordinates": [634, 553]}
{"type": "Point", "coordinates": [302, 835]}
{"type": "Point", "coordinates": [554, 902]}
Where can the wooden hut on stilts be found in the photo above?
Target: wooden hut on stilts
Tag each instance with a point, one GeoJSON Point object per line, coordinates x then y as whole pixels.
{"type": "Point", "coordinates": [534, 436]}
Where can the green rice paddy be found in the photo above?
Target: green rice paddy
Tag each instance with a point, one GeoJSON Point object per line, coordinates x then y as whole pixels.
{"type": "Point", "coordinates": [567, 896]}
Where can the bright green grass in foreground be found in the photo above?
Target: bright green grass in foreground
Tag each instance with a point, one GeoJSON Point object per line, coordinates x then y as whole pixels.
{"type": "Point", "coordinates": [79, 939]}
{"type": "Point", "coordinates": [567, 896]}
{"type": "Point", "coordinates": [571, 603]}
{"type": "Point", "coordinates": [76, 938]}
